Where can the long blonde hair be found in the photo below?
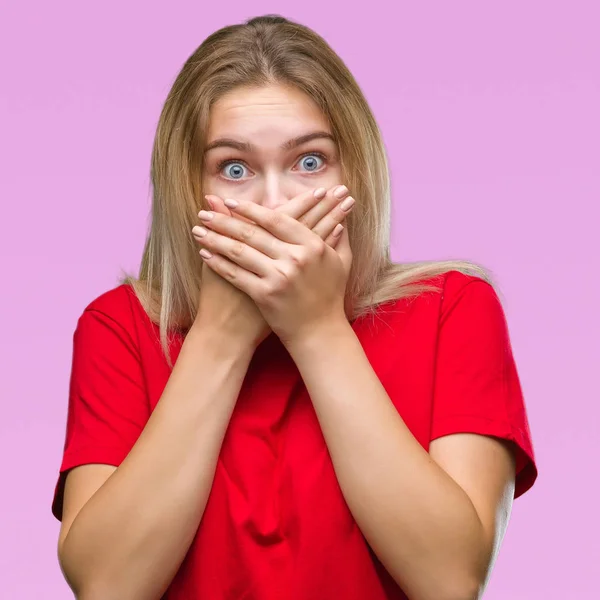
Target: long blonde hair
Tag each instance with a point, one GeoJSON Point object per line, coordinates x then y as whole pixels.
{"type": "Point", "coordinates": [262, 51]}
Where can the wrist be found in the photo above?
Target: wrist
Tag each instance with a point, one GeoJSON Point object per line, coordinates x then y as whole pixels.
{"type": "Point", "coordinates": [224, 344]}
{"type": "Point", "coordinates": [313, 339]}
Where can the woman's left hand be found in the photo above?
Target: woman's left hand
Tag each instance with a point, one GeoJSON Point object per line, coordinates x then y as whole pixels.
{"type": "Point", "coordinates": [296, 279]}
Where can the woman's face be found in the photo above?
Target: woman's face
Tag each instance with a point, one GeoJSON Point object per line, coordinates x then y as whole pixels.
{"type": "Point", "coordinates": [255, 149]}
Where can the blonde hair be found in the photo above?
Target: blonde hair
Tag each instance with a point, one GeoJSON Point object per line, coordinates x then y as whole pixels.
{"type": "Point", "coordinates": [268, 50]}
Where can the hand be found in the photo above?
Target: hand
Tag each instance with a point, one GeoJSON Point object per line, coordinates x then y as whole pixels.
{"type": "Point", "coordinates": [230, 310]}
{"type": "Point", "coordinates": [296, 279]}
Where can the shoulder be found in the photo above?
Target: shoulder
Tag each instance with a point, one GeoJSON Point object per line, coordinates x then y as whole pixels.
{"type": "Point", "coordinates": [453, 284]}
{"type": "Point", "coordinates": [468, 298]}
{"type": "Point", "coordinates": [457, 282]}
{"type": "Point", "coordinates": [119, 303]}
{"type": "Point", "coordinates": [445, 291]}
{"type": "Point", "coordinates": [114, 300]}
{"type": "Point", "coordinates": [117, 308]}
{"type": "Point", "coordinates": [457, 285]}
{"type": "Point", "coordinates": [452, 300]}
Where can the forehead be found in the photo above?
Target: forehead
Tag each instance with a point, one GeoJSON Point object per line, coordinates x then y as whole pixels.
{"type": "Point", "coordinates": [255, 108]}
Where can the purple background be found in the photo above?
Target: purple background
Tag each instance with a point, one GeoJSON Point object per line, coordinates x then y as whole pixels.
{"type": "Point", "coordinates": [491, 118]}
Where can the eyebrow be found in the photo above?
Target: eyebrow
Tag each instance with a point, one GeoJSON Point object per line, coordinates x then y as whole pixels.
{"type": "Point", "coordinates": [289, 145]}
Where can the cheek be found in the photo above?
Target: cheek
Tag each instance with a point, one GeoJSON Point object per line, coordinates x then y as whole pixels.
{"type": "Point", "coordinates": [331, 177]}
{"type": "Point", "coordinates": [250, 191]}
{"type": "Point", "coordinates": [213, 184]}
{"type": "Point", "coordinates": [332, 174]}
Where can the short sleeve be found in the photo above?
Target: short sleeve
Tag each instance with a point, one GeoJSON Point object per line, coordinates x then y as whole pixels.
{"type": "Point", "coordinates": [107, 404]}
{"type": "Point", "coordinates": [477, 387]}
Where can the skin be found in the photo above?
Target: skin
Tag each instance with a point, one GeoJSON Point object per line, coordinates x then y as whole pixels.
{"type": "Point", "coordinates": [268, 117]}
{"type": "Point", "coordinates": [268, 176]}
{"type": "Point", "coordinates": [449, 506]}
{"type": "Point", "coordinates": [435, 520]}
{"type": "Point", "coordinates": [119, 537]}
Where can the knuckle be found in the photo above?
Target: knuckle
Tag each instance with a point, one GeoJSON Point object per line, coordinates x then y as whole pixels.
{"type": "Point", "coordinates": [274, 246]}
{"type": "Point", "coordinates": [236, 250]}
{"type": "Point", "coordinates": [228, 272]}
{"type": "Point", "coordinates": [338, 214]}
{"type": "Point", "coordinates": [317, 248]}
{"type": "Point", "coordinates": [299, 257]}
{"type": "Point", "coordinates": [275, 219]}
{"type": "Point", "coordinates": [246, 233]}
{"type": "Point", "coordinates": [286, 272]}
{"type": "Point", "coordinates": [270, 290]}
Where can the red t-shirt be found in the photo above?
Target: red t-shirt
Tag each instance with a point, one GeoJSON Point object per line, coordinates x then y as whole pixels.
{"type": "Point", "coordinates": [276, 525]}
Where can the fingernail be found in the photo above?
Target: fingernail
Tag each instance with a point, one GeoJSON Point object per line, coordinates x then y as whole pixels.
{"type": "Point", "coordinates": [205, 253]}
{"type": "Point", "coordinates": [206, 215]}
{"type": "Point", "coordinates": [230, 203]}
{"type": "Point", "coordinates": [338, 230]}
{"type": "Point", "coordinates": [341, 192]}
{"type": "Point", "coordinates": [347, 203]}
{"type": "Point", "coordinates": [320, 193]}
{"type": "Point", "coordinates": [199, 231]}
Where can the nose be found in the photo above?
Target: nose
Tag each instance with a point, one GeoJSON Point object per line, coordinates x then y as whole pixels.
{"type": "Point", "coordinates": [277, 191]}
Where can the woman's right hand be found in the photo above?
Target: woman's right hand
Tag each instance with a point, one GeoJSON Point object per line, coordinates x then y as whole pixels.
{"type": "Point", "coordinates": [233, 313]}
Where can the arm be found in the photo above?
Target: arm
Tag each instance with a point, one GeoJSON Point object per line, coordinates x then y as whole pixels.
{"type": "Point", "coordinates": [130, 537]}
{"type": "Point", "coordinates": [420, 522]}
{"type": "Point", "coordinates": [138, 520]}
{"type": "Point", "coordinates": [433, 536]}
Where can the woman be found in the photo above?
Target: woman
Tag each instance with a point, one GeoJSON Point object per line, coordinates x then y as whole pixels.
{"type": "Point", "coordinates": [273, 409]}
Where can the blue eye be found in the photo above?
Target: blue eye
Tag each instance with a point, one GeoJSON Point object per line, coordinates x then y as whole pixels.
{"type": "Point", "coordinates": [235, 170]}
{"type": "Point", "coordinates": [311, 161]}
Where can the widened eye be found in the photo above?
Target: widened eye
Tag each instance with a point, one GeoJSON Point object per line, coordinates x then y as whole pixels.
{"type": "Point", "coordinates": [234, 170]}
{"type": "Point", "coordinates": [311, 161]}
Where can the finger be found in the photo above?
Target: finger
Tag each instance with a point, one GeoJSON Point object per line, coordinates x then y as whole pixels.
{"type": "Point", "coordinates": [236, 251]}
{"type": "Point", "coordinates": [216, 204]}
{"type": "Point", "coordinates": [302, 203]}
{"type": "Point", "coordinates": [323, 216]}
{"type": "Point", "coordinates": [239, 277]}
{"type": "Point", "coordinates": [344, 250]}
{"type": "Point", "coordinates": [220, 207]}
{"type": "Point", "coordinates": [328, 223]}
{"type": "Point", "coordinates": [243, 231]}
{"type": "Point", "coordinates": [333, 238]}
{"type": "Point", "coordinates": [331, 200]}
{"type": "Point", "coordinates": [281, 225]}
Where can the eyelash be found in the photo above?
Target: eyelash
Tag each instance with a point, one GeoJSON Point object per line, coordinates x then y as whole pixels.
{"type": "Point", "coordinates": [230, 161]}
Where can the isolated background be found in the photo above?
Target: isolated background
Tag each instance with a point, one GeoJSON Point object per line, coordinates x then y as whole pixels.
{"type": "Point", "coordinates": [491, 118]}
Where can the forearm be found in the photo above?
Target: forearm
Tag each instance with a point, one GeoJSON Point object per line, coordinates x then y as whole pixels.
{"type": "Point", "coordinates": [129, 539]}
{"type": "Point", "coordinates": [418, 521]}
